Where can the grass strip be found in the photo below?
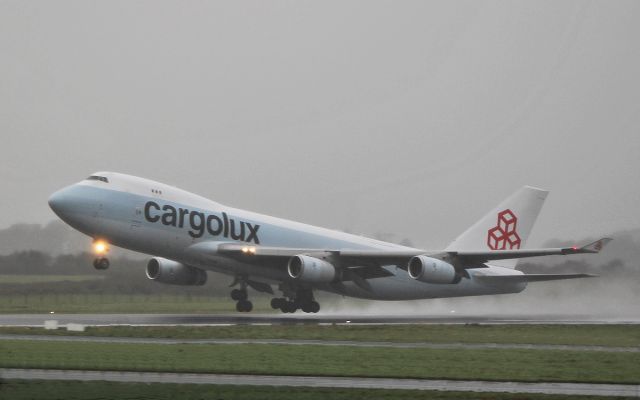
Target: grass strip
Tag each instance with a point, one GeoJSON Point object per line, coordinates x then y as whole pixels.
{"type": "Point", "coordinates": [496, 365]}
{"type": "Point", "coordinates": [595, 335]}
{"type": "Point", "coordinates": [73, 390]}
{"type": "Point", "coordinates": [119, 303]}
{"type": "Point", "coordinates": [29, 279]}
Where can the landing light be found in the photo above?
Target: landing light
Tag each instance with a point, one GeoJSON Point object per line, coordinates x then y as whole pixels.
{"type": "Point", "coordinates": [248, 250]}
{"type": "Point", "coordinates": [100, 247]}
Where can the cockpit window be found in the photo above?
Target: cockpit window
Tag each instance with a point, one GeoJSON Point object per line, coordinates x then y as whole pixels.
{"type": "Point", "coordinates": [98, 178]}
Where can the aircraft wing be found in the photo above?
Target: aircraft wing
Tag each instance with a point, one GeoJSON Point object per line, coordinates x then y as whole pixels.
{"type": "Point", "coordinates": [358, 268]}
{"type": "Point", "coordinates": [385, 257]}
{"type": "Point", "coordinates": [363, 258]}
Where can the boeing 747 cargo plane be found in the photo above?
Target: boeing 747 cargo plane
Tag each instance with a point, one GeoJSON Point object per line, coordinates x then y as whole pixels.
{"type": "Point", "coordinates": [188, 235]}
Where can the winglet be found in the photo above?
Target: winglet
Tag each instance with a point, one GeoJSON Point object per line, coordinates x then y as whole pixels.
{"type": "Point", "coordinates": [595, 247]}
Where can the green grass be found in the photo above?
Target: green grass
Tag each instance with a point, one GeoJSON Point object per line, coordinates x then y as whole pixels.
{"type": "Point", "coordinates": [73, 390]}
{"type": "Point", "coordinates": [508, 365]}
{"type": "Point", "coordinates": [600, 335]}
{"type": "Point", "coordinates": [120, 303]}
{"type": "Point", "coordinates": [28, 279]}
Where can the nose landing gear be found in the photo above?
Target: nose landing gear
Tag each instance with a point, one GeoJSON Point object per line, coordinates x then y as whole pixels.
{"type": "Point", "coordinates": [100, 248]}
{"type": "Point", "coordinates": [101, 263]}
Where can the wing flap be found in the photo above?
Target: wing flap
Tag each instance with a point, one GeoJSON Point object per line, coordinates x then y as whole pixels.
{"type": "Point", "coordinates": [529, 277]}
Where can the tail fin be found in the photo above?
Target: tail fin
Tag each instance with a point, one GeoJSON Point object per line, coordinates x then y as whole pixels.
{"type": "Point", "coordinates": [506, 227]}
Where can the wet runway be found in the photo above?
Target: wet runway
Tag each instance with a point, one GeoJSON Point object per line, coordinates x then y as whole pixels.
{"type": "Point", "coordinates": [283, 319]}
{"type": "Point", "coordinates": [328, 382]}
{"type": "Point", "coordinates": [334, 343]}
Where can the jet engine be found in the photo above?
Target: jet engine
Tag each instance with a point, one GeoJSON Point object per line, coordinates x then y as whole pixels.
{"type": "Point", "coordinates": [311, 269]}
{"type": "Point", "coordinates": [431, 270]}
{"type": "Point", "coordinates": [175, 273]}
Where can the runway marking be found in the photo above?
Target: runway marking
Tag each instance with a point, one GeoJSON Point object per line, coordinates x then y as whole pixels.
{"type": "Point", "coordinates": [326, 382]}
{"type": "Point", "coordinates": [299, 342]}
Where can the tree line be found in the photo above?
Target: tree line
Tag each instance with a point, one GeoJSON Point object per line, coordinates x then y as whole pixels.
{"type": "Point", "coordinates": [124, 276]}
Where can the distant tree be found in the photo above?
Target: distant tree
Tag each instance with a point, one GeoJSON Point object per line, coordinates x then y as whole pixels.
{"type": "Point", "coordinates": [25, 262]}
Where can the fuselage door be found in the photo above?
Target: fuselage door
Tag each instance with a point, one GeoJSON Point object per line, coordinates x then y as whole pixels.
{"type": "Point", "coordinates": [136, 221]}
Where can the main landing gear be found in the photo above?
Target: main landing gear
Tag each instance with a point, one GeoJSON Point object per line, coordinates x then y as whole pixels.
{"type": "Point", "coordinates": [294, 297]}
{"type": "Point", "coordinates": [300, 300]}
{"type": "Point", "coordinates": [242, 303]}
{"type": "Point", "coordinates": [291, 306]}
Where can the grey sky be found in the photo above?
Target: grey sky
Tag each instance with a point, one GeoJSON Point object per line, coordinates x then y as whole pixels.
{"type": "Point", "coordinates": [407, 117]}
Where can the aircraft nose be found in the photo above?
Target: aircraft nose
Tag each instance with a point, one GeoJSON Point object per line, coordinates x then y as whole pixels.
{"type": "Point", "coordinates": [74, 206]}
{"type": "Point", "coordinates": [58, 200]}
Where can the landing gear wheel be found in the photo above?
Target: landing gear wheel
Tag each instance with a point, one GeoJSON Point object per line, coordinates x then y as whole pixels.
{"type": "Point", "coordinates": [239, 294]}
{"type": "Point", "coordinates": [289, 307]}
{"type": "Point", "coordinates": [311, 307]}
{"type": "Point", "coordinates": [101, 263]}
{"type": "Point", "coordinates": [244, 306]}
{"type": "Point", "coordinates": [277, 303]}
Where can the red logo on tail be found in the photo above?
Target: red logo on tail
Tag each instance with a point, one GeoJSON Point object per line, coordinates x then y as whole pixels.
{"type": "Point", "coordinates": [504, 235]}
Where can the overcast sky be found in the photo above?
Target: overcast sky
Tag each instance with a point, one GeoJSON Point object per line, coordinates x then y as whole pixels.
{"type": "Point", "coordinates": [374, 116]}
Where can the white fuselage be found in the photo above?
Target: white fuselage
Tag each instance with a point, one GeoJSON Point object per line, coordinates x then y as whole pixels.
{"type": "Point", "coordinates": [161, 220]}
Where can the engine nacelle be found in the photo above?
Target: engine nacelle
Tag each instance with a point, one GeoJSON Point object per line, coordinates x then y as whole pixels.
{"type": "Point", "coordinates": [175, 273]}
{"type": "Point", "coordinates": [431, 270]}
{"type": "Point", "coordinates": [311, 269]}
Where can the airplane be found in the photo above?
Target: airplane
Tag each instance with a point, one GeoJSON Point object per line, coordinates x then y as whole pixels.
{"type": "Point", "coordinates": [187, 235]}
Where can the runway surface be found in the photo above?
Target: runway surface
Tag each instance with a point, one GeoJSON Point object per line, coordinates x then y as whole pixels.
{"type": "Point", "coordinates": [284, 319]}
{"type": "Point", "coordinates": [290, 342]}
{"type": "Point", "coordinates": [327, 382]}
